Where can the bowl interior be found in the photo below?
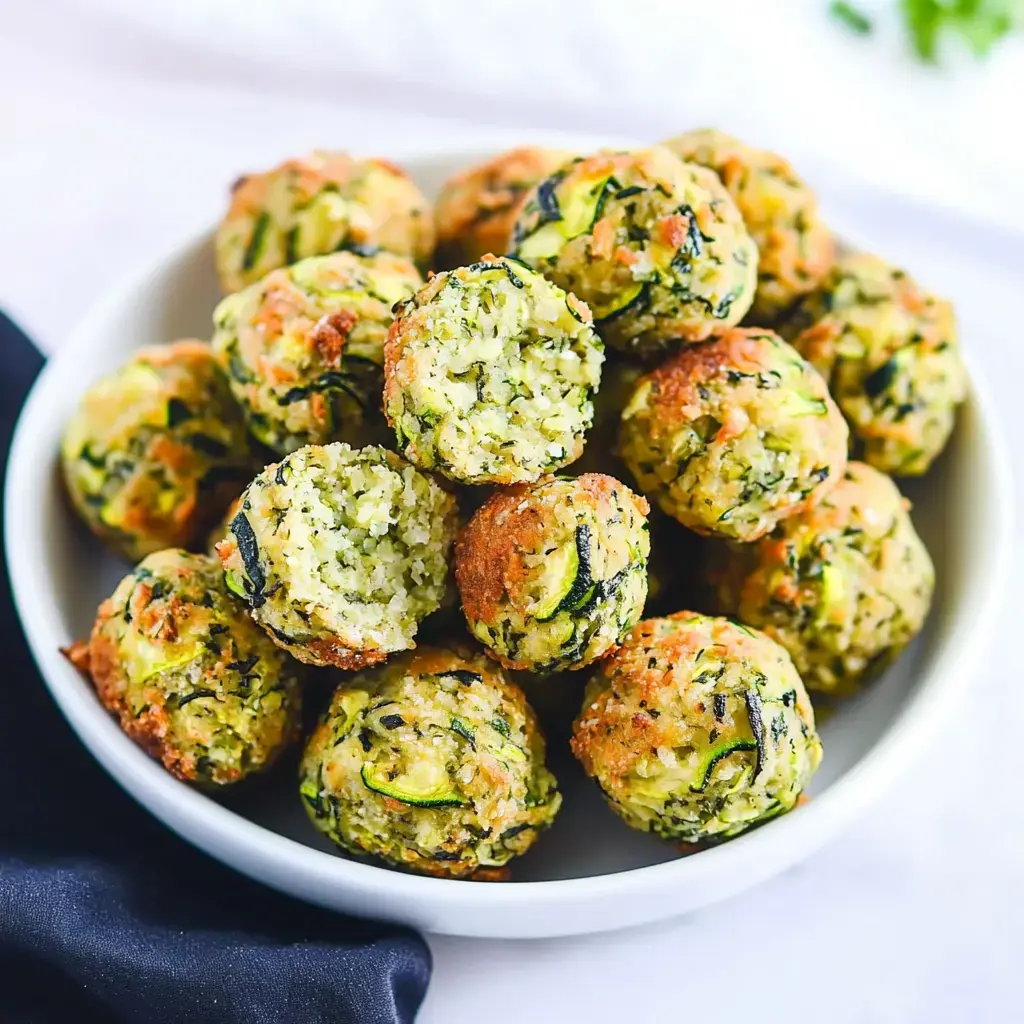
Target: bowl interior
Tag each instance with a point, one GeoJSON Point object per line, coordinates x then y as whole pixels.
{"type": "Point", "coordinates": [63, 574]}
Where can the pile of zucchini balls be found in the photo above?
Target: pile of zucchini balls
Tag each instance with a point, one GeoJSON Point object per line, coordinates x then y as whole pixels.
{"type": "Point", "coordinates": [426, 455]}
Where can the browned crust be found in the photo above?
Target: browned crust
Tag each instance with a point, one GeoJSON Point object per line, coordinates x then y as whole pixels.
{"type": "Point", "coordinates": [332, 652]}
{"type": "Point", "coordinates": [674, 384]}
{"type": "Point", "coordinates": [105, 665]}
{"type": "Point", "coordinates": [311, 174]}
{"type": "Point", "coordinates": [394, 346]}
{"type": "Point", "coordinates": [450, 869]}
{"type": "Point", "coordinates": [99, 660]}
{"type": "Point", "coordinates": [429, 660]}
{"type": "Point", "coordinates": [78, 654]}
{"type": "Point", "coordinates": [677, 381]}
{"type": "Point", "coordinates": [602, 728]}
{"type": "Point", "coordinates": [489, 567]}
{"type": "Point", "coordinates": [613, 729]}
{"type": "Point", "coordinates": [149, 729]}
{"type": "Point", "coordinates": [175, 352]}
{"type": "Point", "coordinates": [331, 333]}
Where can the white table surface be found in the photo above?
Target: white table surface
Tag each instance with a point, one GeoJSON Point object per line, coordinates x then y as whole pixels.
{"type": "Point", "coordinates": [115, 142]}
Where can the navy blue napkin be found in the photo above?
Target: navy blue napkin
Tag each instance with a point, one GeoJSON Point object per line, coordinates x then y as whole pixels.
{"type": "Point", "coordinates": [106, 916]}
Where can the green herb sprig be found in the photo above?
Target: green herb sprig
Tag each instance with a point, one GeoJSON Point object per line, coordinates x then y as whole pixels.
{"type": "Point", "coordinates": [981, 24]}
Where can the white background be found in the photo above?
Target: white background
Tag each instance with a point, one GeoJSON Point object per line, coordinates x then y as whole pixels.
{"type": "Point", "coordinates": [121, 124]}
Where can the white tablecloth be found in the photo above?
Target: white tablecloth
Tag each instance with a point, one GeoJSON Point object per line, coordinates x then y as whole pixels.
{"type": "Point", "coordinates": [120, 125]}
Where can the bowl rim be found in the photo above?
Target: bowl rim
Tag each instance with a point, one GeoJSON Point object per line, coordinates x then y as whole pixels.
{"type": "Point", "coordinates": [289, 864]}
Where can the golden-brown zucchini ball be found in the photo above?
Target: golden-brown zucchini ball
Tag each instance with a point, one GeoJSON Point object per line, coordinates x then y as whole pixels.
{"type": "Point", "coordinates": [476, 210]}
{"type": "Point", "coordinates": [796, 249]}
{"type": "Point", "coordinates": [315, 205]}
{"type": "Point", "coordinates": [156, 450]}
{"type": "Point", "coordinates": [733, 435]}
{"type": "Point", "coordinates": [843, 586]}
{"type": "Point", "coordinates": [553, 574]}
{"type": "Point", "coordinates": [190, 677]}
{"type": "Point", "coordinates": [432, 762]}
{"type": "Point", "coordinates": [340, 553]}
{"type": "Point", "coordinates": [490, 372]}
{"type": "Point", "coordinates": [697, 729]}
{"type": "Point", "coordinates": [654, 246]}
{"type": "Point", "coordinates": [890, 353]}
{"type": "Point", "coordinates": [304, 347]}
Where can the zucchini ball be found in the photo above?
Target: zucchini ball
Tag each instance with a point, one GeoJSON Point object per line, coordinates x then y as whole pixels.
{"type": "Point", "coordinates": [489, 374]}
{"type": "Point", "coordinates": [190, 677]}
{"type": "Point", "coordinates": [316, 205]}
{"type": "Point", "coordinates": [304, 347]}
{"type": "Point", "coordinates": [553, 574]}
{"type": "Point", "coordinates": [697, 729]}
{"type": "Point", "coordinates": [733, 435]}
{"type": "Point", "coordinates": [432, 762]}
{"type": "Point", "coordinates": [796, 249]}
{"type": "Point", "coordinates": [654, 246]}
{"type": "Point", "coordinates": [156, 450]}
{"type": "Point", "coordinates": [340, 553]}
{"type": "Point", "coordinates": [890, 354]}
{"type": "Point", "coordinates": [843, 586]}
{"type": "Point", "coordinates": [477, 208]}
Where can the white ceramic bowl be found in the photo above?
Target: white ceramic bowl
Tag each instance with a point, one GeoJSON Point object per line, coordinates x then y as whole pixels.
{"type": "Point", "coordinates": [589, 872]}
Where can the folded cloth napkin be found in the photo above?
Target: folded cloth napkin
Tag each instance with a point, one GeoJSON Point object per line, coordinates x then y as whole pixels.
{"type": "Point", "coordinates": [105, 916]}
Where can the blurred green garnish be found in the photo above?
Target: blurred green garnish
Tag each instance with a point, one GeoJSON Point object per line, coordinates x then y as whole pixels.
{"type": "Point", "coordinates": [855, 20]}
{"type": "Point", "coordinates": [979, 23]}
